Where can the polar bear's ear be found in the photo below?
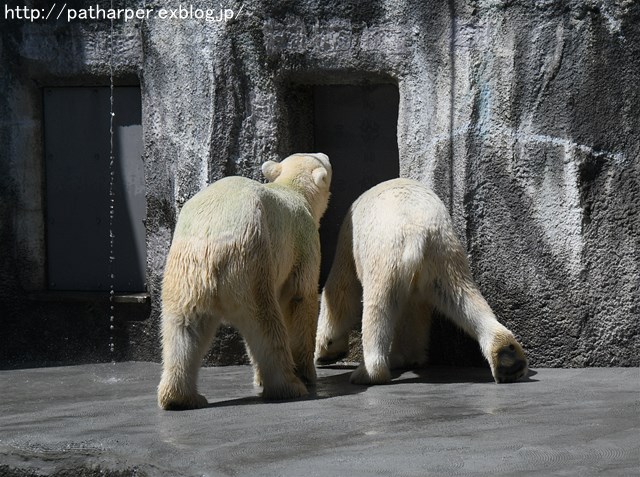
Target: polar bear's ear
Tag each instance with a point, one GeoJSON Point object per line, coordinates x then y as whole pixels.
{"type": "Point", "coordinates": [271, 170]}
{"type": "Point", "coordinates": [320, 176]}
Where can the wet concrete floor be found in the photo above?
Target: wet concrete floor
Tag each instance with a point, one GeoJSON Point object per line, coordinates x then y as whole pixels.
{"type": "Point", "coordinates": [103, 420]}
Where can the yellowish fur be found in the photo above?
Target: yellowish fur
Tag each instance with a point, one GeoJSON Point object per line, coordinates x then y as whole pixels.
{"type": "Point", "coordinates": [398, 253]}
{"type": "Point", "coordinates": [247, 254]}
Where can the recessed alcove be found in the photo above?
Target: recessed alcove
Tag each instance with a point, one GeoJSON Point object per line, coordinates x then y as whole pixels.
{"type": "Point", "coordinates": [356, 126]}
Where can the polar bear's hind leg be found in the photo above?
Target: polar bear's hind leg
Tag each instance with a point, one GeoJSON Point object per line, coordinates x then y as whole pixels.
{"type": "Point", "coordinates": [185, 342]}
{"type": "Point", "coordinates": [302, 336]}
{"type": "Point", "coordinates": [463, 303]}
{"type": "Point", "coordinates": [266, 336]}
{"type": "Point", "coordinates": [383, 304]}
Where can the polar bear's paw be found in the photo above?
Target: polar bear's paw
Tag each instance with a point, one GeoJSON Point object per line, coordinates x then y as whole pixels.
{"type": "Point", "coordinates": [508, 360]}
{"type": "Point", "coordinates": [181, 403]}
{"type": "Point", "coordinates": [292, 389]}
{"type": "Point", "coordinates": [379, 374]}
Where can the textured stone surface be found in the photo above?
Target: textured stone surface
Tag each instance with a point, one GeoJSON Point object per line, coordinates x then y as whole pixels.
{"type": "Point", "coordinates": [521, 114]}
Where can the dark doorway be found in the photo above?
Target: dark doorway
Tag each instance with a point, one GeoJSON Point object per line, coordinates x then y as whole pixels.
{"type": "Point", "coordinates": [356, 126]}
{"type": "Point", "coordinates": [78, 170]}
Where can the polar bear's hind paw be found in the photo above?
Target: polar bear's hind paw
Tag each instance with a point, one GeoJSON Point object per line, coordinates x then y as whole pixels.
{"type": "Point", "coordinates": [377, 375]}
{"type": "Point", "coordinates": [196, 402]}
{"type": "Point", "coordinates": [511, 364]}
{"type": "Point", "coordinates": [292, 389]}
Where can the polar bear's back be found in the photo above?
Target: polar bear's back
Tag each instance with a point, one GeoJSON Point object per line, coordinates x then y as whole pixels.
{"type": "Point", "coordinates": [397, 224]}
{"type": "Point", "coordinates": [236, 206]}
{"type": "Point", "coordinates": [399, 207]}
{"type": "Point", "coordinates": [223, 207]}
{"type": "Point", "coordinates": [232, 229]}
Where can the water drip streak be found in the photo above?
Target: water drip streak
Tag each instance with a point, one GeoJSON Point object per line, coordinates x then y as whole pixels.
{"type": "Point", "coordinates": [111, 202]}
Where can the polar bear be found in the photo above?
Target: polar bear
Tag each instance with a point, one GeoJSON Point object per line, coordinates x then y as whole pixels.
{"type": "Point", "coordinates": [247, 254]}
{"type": "Point", "coordinates": [398, 252]}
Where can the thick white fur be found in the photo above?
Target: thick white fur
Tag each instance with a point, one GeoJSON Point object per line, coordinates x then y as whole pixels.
{"type": "Point", "coordinates": [247, 254]}
{"type": "Point", "coordinates": [398, 258]}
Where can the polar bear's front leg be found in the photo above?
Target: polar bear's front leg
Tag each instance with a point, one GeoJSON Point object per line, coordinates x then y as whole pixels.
{"type": "Point", "coordinates": [340, 303]}
{"type": "Point", "coordinates": [340, 312]}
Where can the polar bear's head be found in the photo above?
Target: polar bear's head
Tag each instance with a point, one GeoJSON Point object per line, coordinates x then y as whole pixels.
{"type": "Point", "coordinates": [309, 173]}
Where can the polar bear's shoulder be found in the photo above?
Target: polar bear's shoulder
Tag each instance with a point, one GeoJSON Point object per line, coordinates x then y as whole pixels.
{"type": "Point", "coordinates": [226, 204]}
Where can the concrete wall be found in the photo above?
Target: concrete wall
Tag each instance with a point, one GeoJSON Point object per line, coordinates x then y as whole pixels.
{"type": "Point", "coordinates": [522, 115]}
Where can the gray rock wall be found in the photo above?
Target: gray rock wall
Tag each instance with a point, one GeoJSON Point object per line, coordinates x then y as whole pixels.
{"type": "Point", "coordinates": [550, 177]}
{"type": "Point", "coordinates": [522, 115]}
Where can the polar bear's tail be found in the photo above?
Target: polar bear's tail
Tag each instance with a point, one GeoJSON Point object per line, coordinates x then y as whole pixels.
{"type": "Point", "coordinates": [412, 259]}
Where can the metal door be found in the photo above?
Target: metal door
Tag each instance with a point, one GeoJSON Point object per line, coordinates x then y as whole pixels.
{"type": "Point", "coordinates": [77, 151]}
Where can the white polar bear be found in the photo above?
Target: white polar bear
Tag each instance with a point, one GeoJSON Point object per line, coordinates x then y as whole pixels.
{"type": "Point", "coordinates": [247, 254]}
{"type": "Point", "coordinates": [398, 252]}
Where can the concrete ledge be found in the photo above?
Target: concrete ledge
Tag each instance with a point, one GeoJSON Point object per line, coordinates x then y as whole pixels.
{"type": "Point", "coordinates": [81, 296]}
{"type": "Point", "coordinates": [103, 420]}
